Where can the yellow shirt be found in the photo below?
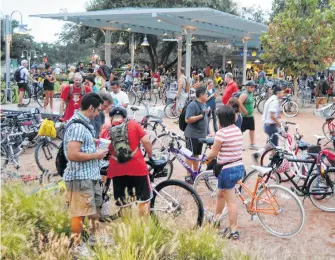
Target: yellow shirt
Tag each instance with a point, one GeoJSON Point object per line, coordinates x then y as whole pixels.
{"type": "Point", "coordinates": [218, 80]}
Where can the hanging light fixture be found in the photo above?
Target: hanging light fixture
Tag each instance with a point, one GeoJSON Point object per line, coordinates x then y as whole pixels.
{"type": "Point", "coordinates": [145, 41]}
{"type": "Point", "coordinates": [120, 42]}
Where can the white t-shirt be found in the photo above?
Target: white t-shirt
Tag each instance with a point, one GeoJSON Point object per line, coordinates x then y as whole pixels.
{"type": "Point", "coordinates": [23, 74]}
{"type": "Point", "coordinates": [57, 71]}
{"type": "Point", "coordinates": [119, 99]}
{"type": "Point", "coordinates": [272, 105]}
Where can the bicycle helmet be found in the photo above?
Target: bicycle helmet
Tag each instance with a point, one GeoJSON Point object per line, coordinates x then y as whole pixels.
{"type": "Point", "coordinates": [118, 111]}
{"type": "Point", "coordinates": [284, 166]}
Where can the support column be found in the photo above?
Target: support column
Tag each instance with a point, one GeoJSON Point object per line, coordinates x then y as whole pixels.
{"type": "Point", "coordinates": [180, 55]}
{"type": "Point", "coordinates": [8, 39]}
{"type": "Point", "coordinates": [188, 53]}
{"type": "Point", "coordinates": [245, 55]}
{"type": "Point", "coordinates": [132, 52]}
{"type": "Point", "coordinates": [224, 61]}
{"type": "Point", "coordinates": [108, 38]}
{"type": "Point", "coordinates": [278, 72]}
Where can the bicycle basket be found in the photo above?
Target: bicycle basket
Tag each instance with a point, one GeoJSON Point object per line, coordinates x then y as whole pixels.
{"type": "Point", "coordinates": [325, 112]}
{"type": "Point", "coordinates": [284, 166]}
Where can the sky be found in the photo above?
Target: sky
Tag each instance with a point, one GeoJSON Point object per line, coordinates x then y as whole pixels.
{"type": "Point", "coordinates": [45, 29]}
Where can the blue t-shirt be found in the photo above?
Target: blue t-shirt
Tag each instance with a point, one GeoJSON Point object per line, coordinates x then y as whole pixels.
{"type": "Point", "coordinates": [238, 122]}
{"type": "Point", "coordinates": [211, 103]}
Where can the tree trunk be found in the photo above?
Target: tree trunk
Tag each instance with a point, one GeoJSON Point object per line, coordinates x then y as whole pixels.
{"type": "Point", "coordinates": [167, 51]}
{"type": "Point", "coordinates": [295, 82]}
{"type": "Point", "coordinates": [168, 66]}
{"type": "Point", "coordinates": [152, 58]}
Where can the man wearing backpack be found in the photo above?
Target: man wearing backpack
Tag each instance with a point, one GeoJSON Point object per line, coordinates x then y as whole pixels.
{"type": "Point", "coordinates": [21, 76]}
{"type": "Point", "coordinates": [127, 166]}
{"type": "Point", "coordinates": [197, 127]}
{"type": "Point", "coordinates": [82, 173]}
{"type": "Point", "coordinates": [321, 91]}
{"type": "Point", "coordinates": [71, 96]}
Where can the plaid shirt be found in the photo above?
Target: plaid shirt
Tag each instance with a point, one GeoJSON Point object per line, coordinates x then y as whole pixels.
{"type": "Point", "coordinates": [88, 170]}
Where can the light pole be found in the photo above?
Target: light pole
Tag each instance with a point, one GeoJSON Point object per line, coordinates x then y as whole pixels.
{"type": "Point", "coordinates": [8, 38]}
{"type": "Point", "coordinates": [29, 56]}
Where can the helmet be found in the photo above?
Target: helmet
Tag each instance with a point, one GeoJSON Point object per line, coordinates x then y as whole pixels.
{"type": "Point", "coordinates": [284, 166]}
{"type": "Point", "coordinates": [118, 111]}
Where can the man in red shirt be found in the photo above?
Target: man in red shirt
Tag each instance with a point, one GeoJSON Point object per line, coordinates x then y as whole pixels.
{"type": "Point", "coordinates": [130, 179]}
{"type": "Point", "coordinates": [230, 89]}
{"type": "Point", "coordinates": [72, 100]}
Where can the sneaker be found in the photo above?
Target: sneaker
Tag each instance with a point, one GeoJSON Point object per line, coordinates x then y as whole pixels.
{"type": "Point", "coordinates": [225, 232]}
{"type": "Point", "coordinates": [189, 180]}
{"type": "Point", "coordinates": [81, 250]}
{"type": "Point", "coordinates": [234, 235]}
{"type": "Point", "coordinates": [255, 156]}
{"type": "Point", "coordinates": [103, 240]}
{"type": "Point", "coordinates": [253, 147]}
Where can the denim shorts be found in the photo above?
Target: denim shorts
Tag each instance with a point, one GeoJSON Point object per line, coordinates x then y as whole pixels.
{"type": "Point", "coordinates": [229, 177]}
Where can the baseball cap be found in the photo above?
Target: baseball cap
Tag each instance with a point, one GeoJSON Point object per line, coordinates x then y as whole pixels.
{"type": "Point", "coordinates": [250, 83]}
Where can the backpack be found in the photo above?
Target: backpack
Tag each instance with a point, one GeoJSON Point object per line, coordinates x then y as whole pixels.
{"type": "Point", "coordinates": [237, 94]}
{"type": "Point", "coordinates": [182, 123]}
{"type": "Point", "coordinates": [61, 161]}
{"type": "Point", "coordinates": [17, 75]}
{"type": "Point", "coordinates": [324, 87]}
{"type": "Point", "coordinates": [120, 142]}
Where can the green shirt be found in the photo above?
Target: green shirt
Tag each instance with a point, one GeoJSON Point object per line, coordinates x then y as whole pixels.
{"type": "Point", "coordinates": [249, 103]}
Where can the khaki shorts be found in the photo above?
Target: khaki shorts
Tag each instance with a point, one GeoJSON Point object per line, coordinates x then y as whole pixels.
{"type": "Point", "coordinates": [84, 197]}
{"type": "Point", "coordinates": [321, 100]}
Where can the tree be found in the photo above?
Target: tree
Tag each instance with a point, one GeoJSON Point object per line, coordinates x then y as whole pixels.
{"type": "Point", "coordinates": [159, 52]}
{"type": "Point", "coordinates": [255, 13]}
{"type": "Point", "coordinates": [301, 38]}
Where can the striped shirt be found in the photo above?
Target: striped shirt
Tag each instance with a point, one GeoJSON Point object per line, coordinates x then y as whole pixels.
{"type": "Point", "coordinates": [76, 132]}
{"type": "Point", "coordinates": [231, 140]}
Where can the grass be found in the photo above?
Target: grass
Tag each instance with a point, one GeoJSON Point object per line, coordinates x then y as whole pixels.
{"type": "Point", "coordinates": [38, 227]}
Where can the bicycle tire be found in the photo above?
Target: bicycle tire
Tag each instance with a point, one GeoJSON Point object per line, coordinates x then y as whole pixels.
{"type": "Point", "coordinates": [260, 105]}
{"type": "Point", "coordinates": [149, 98]}
{"type": "Point", "coordinates": [324, 185]}
{"type": "Point", "coordinates": [326, 131]}
{"type": "Point", "coordinates": [37, 159]}
{"type": "Point", "coordinates": [197, 215]}
{"type": "Point", "coordinates": [26, 97]}
{"type": "Point", "coordinates": [282, 177]}
{"type": "Point", "coordinates": [290, 200]}
{"type": "Point", "coordinates": [287, 106]}
{"type": "Point", "coordinates": [132, 97]}
{"type": "Point", "coordinates": [173, 114]}
{"type": "Point", "coordinates": [40, 97]}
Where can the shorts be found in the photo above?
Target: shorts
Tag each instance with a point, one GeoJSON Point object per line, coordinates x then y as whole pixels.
{"type": "Point", "coordinates": [128, 189]}
{"type": "Point", "coordinates": [229, 177]}
{"type": "Point", "coordinates": [321, 100]}
{"type": "Point", "coordinates": [194, 145]}
{"type": "Point", "coordinates": [22, 86]}
{"type": "Point", "coordinates": [48, 87]}
{"type": "Point", "coordinates": [84, 197]}
{"type": "Point", "coordinates": [248, 123]}
{"type": "Point", "coordinates": [270, 130]}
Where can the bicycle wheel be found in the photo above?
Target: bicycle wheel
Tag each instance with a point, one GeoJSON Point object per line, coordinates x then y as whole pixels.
{"type": "Point", "coordinates": [328, 130]}
{"type": "Point", "coordinates": [132, 97]}
{"type": "Point", "coordinates": [176, 203]}
{"type": "Point", "coordinates": [280, 211]}
{"type": "Point", "coordinates": [40, 97]}
{"type": "Point", "coordinates": [290, 109]}
{"type": "Point", "coordinates": [45, 156]}
{"type": "Point", "coordinates": [170, 110]}
{"type": "Point", "coordinates": [260, 105]}
{"type": "Point", "coordinates": [149, 98]}
{"type": "Point", "coordinates": [271, 178]}
{"type": "Point", "coordinates": [324, 185]}
{"type": "Point", "coordinates": [26, 97]}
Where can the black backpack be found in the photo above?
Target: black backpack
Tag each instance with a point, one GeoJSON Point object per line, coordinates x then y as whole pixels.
{"type": "Point", "coordinates": [237, 94]}
{"type": "Point", "coordinates": [17, 75]}
{"type": "Point", "coordinates": [61, 161]}
{"type": "Point", "coordinates": [325, 87]}
{"type": "Point", "coordinates": [182, 123]}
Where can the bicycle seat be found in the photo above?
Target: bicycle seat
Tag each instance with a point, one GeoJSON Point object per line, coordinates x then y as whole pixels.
{"type": "Point", "coordinates": [261, 169]}
{"type": "Point", "coordinates": [207, 141]}
{"type": "Point", "coordinates": [134, 109]}
{"type": "Point", "coordinates": [329, 118]}
{"type": "Point", "coordinates": [302, 145]}
{"type": "Point", "coordinates": [155, 120]}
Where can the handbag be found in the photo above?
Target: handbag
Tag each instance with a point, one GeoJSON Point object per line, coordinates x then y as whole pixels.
{"type": "Point", "coordinates": [218, 167]}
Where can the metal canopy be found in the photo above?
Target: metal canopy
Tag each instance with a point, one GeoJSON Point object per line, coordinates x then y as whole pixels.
{"type": "Point", "coordinates": [203, 23]}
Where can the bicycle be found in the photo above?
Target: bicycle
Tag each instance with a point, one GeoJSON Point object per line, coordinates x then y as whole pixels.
{"type": "Point", "coordinates": [35, 93]}
{"type": "Point", "coordinates": [289, 107]}
{"type": "Point", "coordinates": [172, 199]}
{"type": "Point", "coordinates": [268, 202]}
{"type": "Point", "coordinates": [144, 96]}
{"type": "Point", "coordinates": [305, 97]}
{"type": "Point", "coordinates": [171, 111]}
{"type": "Point", "coordinates": [328, 127]}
